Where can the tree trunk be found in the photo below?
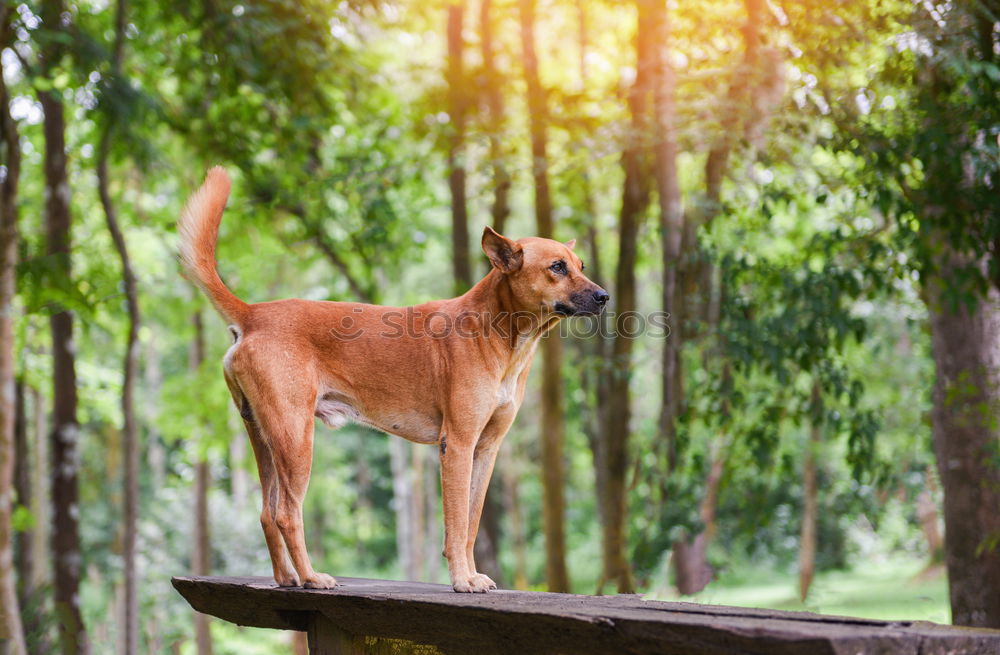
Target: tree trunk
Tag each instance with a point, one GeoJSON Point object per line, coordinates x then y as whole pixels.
{"type": "Point", "coordinates": [201, 555]}
{"type": "Point", "coordinates": [595, 370]}
{"type": "Point", "coordinates": [966, 349]}
{"type": "Point", "coordinates": [418, 456]}
{"type": "Point", "coordinates": [156, 454]}
{"type": "Point", "coordinates": [613, 444]}
{"type": "Point", "coordinates": [130, 365]}
{"type": "Point", "coordinates": [512, 508]}
{"type": "Point", "coordinates": [810, 507]}
{"type": "Point", "coordinates": [671, 217]}
{"type": "Point", "coordinates": [240, 482]}
{"type": "Point", "coordinates": [11, 628]}
{"type": "Point", "coordinates": [456, 150]}
{"type": "Point", "coordinates": [41, 508]}
{"type": "Point", "coordinates": [65, 434]}
{"type": "Point", "coordinates": [202, 550]}
{"type": "Point", "coordinates": [738, 118]}
{"type": "Point", "coordinates": [717, 162]}
{"type": "Point", "coordinates": [495, 120]}
{"type": "Point", "coordinates": [553, 434]}
{"type": "Point", "coordinates": [403, 499]}
{"type": "Point", "coordinates": [927, 515]}
{"type": "Point", "coordinates": [24, 563]}
{"type": "Point", "coordinates": [552, 424]}
{"type": "Point", "coordinates": [692, 572]}
{"type": "Point", "coordinates": [433, 526]}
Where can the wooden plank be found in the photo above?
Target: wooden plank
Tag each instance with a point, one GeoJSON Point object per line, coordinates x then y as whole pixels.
{"type": "Point", "coordinates": [535, 622]}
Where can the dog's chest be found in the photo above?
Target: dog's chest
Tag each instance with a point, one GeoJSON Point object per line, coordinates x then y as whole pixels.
{"type": "Point", "coordinates": [507, 391]}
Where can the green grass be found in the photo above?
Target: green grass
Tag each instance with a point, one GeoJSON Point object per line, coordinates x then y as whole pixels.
{"type": "Point", "coordinates": [884, 588]}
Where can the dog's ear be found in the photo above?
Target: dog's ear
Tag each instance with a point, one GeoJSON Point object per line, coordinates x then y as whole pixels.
{"type": "Point", "coordinates": [569, 244]}
{"type": "Point", "coordinates": [505, 255]}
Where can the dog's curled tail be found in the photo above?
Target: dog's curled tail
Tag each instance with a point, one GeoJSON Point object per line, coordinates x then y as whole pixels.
{"type": "Point", "coordinates": [199, 231]}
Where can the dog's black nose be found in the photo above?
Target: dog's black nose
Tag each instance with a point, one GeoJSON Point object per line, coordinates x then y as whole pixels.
{"type": "Point", "coordinates": [601, 297]}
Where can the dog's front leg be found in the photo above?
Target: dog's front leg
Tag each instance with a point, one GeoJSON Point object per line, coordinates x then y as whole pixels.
{"type": "Point", "coordinates": [482, 470]}
{"type": "Point", "coordinates": [456, 477]}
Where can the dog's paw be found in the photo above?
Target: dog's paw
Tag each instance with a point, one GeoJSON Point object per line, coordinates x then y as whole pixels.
{"type": "Point", "coordinates": [482, 579]}
{"type": "Point", "coordinates": [287, 580]}
{"type": "Point", "coordinates": [320, 581]}
{"type": "Point", "coordinates": [476, 584]}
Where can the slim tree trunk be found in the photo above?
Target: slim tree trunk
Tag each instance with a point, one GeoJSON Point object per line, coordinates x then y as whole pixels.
{"type": "Point", "coordinates": [810, 506]}
{"type": "Point", "coordinates": [595, 371]}
{"type": "Point", "coordinates": [671, 215]}
{"type": "Point", "coordinates": [690, 558]}
{"type": "Point", "coordinates": [130, 365]}
{"type": "Point", "coordinates": [24, 563]}
{"type": "Point", "coordinates": [403, 499]}
{"type": "Point", "coordinates": [512, 508]}
{"type": "Point", "coordinates": [613, 446]}
{"type": "Point", "coordinates": [927, 515]}
{"type": "Point", "coordinates": [240, 481]}
{"type": "Point", "coordinates": [418, 456]}
{"type": "Point", "coordinates": [966, 400]}
{"type": "Point", "coordinates": [553, 508]}
{"type": "Point", "coordinates": [201, 556]}
{"type": "Point", "coordinates": [66, 555]}
{"type": "Point", "coordinates": [495, 120]}
{"type": "Point", "coordinates": [743, 114]}
{"type": "Point", "coordinates": [11, 628]}
{"type": "Point", "coordinates": [717, 163]}
{"type": "Point", "coordinates": [456, 149]}
{"type": "Point", "coordinates": [152, 381]}
{"type": "Point", "coordinates": [553, 435]}
{"type": "Point", "coordinates": [432, 525]}
{"type": "Point", "coordinates": [41, 508]}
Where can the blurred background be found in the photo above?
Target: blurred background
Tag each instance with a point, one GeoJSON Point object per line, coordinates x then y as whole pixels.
{"type": "Point", "coordinates": [801, 191]}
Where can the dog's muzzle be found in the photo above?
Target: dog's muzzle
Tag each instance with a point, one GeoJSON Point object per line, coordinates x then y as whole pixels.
{"type": "Point", "coordinates": [584, 303]}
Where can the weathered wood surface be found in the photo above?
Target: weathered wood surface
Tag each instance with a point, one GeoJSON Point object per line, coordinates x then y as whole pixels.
{"type": "Point", "coordinates": [534, 622]}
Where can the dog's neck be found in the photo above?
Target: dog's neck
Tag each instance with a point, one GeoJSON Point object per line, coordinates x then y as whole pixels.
{"type": "Point", "coordinates": [521, 327]}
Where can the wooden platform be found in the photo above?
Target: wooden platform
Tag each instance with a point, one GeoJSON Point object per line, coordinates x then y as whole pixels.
{"type": "Point", "coordinates": [371, 616]}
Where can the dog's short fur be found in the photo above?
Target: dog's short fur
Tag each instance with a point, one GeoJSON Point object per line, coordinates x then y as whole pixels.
{"type": "Point", "coordinates": [448, 372]}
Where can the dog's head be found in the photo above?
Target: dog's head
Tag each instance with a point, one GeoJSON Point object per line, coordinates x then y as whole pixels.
{"type": "Point", "coordinates": [545, 276]}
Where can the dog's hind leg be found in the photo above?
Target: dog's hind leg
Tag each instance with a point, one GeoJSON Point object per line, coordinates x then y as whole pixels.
{"type": "Point", "coordinates": [284, 572]}
{"type": "Point", "coordinates": [288, 432]}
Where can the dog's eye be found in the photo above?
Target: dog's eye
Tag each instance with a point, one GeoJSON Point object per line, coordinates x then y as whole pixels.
{"type": "Point", "coordinates": [559, 267]}
{"type": "Point", "coordinates": [583, 266]}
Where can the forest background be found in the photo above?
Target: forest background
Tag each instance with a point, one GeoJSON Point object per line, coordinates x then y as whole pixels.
{"type": "Point", "coordinates": [806, 190]}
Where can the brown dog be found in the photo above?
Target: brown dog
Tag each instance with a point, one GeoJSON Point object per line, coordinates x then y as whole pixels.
{"type": "Point", "coordinates": [450, 372]}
